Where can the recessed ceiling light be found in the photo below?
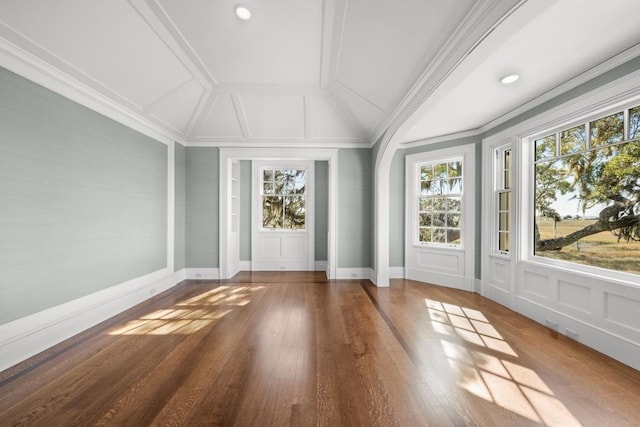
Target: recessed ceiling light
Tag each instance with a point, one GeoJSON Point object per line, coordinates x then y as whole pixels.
{"type": "Point", "coordinates": [242, 12]}
{"type": "Point", "coordinates": [510, 78]}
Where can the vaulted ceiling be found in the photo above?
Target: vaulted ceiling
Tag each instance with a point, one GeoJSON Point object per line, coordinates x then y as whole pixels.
{"type": "Point", "coordinates": [318, 72]}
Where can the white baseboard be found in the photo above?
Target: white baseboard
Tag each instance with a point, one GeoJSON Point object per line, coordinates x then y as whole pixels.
{"type": "Point", "coordinates": [318, 266]}
{"type": "Point", "coordinates": [617, 347]}
{"type": "Point", "coordinates": [203, 274]}
{"type": "Point", "coordinates": [396, 272]}
{"type": "Point", "coordinates": [354, 273]}
{"type": "Point", "coordinates": [30, 335]}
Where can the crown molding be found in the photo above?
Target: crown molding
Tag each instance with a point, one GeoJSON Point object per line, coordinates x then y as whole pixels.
{"type": "Point", "coordinates": [603, 67]}
{"type": "Point", "coordinates": [481, 21]}
{"type": "Point", "coordinates": [275, 143]}
{"type": "Point", "coordinates": [27, 65]}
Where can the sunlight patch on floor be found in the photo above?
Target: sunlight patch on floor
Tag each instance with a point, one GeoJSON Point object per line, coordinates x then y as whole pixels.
{"type": "Point", "coordinates": [490, 372]}
{"type": "Point", "coordinates": [191, 315]}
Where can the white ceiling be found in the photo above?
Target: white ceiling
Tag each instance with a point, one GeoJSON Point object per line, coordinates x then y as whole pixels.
{"type": "Point", "coordinates": [318, 72]}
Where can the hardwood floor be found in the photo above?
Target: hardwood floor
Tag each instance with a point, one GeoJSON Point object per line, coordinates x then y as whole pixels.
{"type": "Point", "coordinates": [294, 349]}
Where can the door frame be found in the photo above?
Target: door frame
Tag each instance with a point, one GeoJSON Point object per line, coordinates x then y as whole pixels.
{"type": "Point", "coordinates": [228, 155]}
{"type": "Point", "coordinates": [256, 200]}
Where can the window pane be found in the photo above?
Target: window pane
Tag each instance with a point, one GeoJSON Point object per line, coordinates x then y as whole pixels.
{"type": "Point", "coordinates": [268, 188]}
{"type": "Point", "coordinates": [607, 130]}
{"type": "Point", "coordinates": [573, 140]}
{"type": "Point", "coordinates": [455, 186]}
{"type": "Point", "coordinates": [545, 147]}
{"type": "Point", "coordinates": [272, 211]}
{"type": "Point", "coordinates": [453, 220]}
{"type": "Point", "coordinates": [439, 235]}
{"type": "Point", "coordinates": [440, 171]}
{"type": "Point", "coordinates": [267, 175]}
{"type": "Point", "coordinates": [453, 236]}
{"type": "Point", "coordinates": [503, 204]}
{"type": "Point", "coordinates": [294, 213]}
{"type": "Point", "coordinates": [507, 158]}
{"type": "Point", "coordinates": [439, 203]}
{"type": "Point", "coordinates": [425, 188]}
{"type": "Point", "coordinates": [455, 169]}
{"type": "Point", "coordinates": [503, 224]}
{"type": "Point", "coordinates": [453, 204]}
{"type": "Point", "coordinates": [426, 173]}
{"type": "Point", "coordinates": [425, 219]}
{"type": "Point", "coordinates": [425, 203]}
{"type": "Point", "coordinates": [586, 192]}
{"type": "Point", "coordinates": [634, 122]}
{"type": "Point", "coordinates": [503, 241]}
{"type": "Point", "coordinates": [439, 219]}
{"type": "Point", "coordinates": [425, 234]}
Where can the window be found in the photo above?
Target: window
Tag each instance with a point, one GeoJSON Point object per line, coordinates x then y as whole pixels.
{"type": "Point", "coordinates": [503, 199]}
{"type": "Point", "coordinates": [587, 193]}
{"type": "Point", "coordinates": [439, 203]}
{"type": "Point", "coordinates": [283, 199]}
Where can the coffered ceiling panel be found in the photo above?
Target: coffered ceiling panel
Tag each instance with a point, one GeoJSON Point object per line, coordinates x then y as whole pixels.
{"type": "Point", "coordinates": [326, 122]}
{"type": "Point", "coordinates": [269, 115]}
{"type": "Point", "coordinates": [220, 121]}
{"type": "Point", "coordinates": [364, 112]}
{"type": "Point", "coordinates": [178, 108]}
{"type": "Point", "coordinates": [280, 44]}
{"type": "Point", "coordinates": [104, 43]}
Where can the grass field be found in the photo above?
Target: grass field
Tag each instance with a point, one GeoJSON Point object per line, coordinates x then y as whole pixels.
{"type": "Point", "coordinates": [599, 250]}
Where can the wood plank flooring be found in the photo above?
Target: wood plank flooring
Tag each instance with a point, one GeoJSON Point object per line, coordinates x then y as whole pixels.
{"type": "Point", "coordinates": [278, 349]}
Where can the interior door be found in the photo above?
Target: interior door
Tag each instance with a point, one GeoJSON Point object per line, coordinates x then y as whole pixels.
{"type": "Point", "coordinates": [282, 235]}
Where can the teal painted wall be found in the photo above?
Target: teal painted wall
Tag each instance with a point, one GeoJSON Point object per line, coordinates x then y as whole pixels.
{"type": "Point", "coordinates": [83, 200]}
{"type": "Point", "coordinates": [245, 210]}
{"type": "Point", "coordinates": [179, 260]}
{"type": "Point", "coordinates": [354, 208]}
{"type": "Point", "coordinates": [202, 207]}
{"type": "Point", "coordinates": [321, 200]}
{"type": "Point", "coordinates": [396, 210]}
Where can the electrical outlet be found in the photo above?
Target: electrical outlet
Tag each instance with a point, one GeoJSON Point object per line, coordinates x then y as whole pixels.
{"type": "Point", "coordinates": [198, 275]}
{"type": "Point", "coordinates": [573, 334]}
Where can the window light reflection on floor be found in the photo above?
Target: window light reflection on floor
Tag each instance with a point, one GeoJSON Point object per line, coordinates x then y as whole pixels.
{"type": "Point", "coordinates": [490, 371]}
{"type": "Point", "coordinates": [191, 315]}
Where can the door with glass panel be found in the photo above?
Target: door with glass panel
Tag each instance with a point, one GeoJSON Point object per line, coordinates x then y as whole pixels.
{"type": "Point", "coordinates": [282, 214]}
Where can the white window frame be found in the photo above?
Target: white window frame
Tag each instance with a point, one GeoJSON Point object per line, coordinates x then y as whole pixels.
{"type": "Point", "coordinates": [417, 195]}
{"type": "Point", "coordinates": [305, 195]}
{"type": "Point", "coordinates": [447, 265]}
{"type": "Point", "coordinates": [527, 189]}
{"type": "Point", "coordinates": [498, 187]}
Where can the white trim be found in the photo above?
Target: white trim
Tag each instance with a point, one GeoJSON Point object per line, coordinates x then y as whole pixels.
{"type": "Point", "coordinates": [322, 143]}
{"type": "Point", "coordinates": [353, 273]}
{"type": "Point", "coordinates": [245, 266]}
{"type": "Point", "coordinates": [44, 74]}
{"type": "Point", "coordinates": [330, 155]}
{"type": "Point", "coordinates": [202, 274]}
{"type": "Point", "coordinates": [396, 272]}
{"type": "Point", "coordinates": [263, 261]}
{"type": "Point", "coordinates": [28, 336]}
{"type": "Point", "coordinates": [584, 77]}
{"type": "Point", "coordinates": [607, 342]}
{"type": "Point", "coordinates": [459, 269]}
